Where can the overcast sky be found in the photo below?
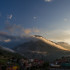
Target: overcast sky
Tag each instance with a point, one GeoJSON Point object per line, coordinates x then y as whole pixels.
{"type": "Point", "coordinates": [48, 18]}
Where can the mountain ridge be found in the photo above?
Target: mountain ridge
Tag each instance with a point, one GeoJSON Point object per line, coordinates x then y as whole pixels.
{"type": "Point", "coordinates": [42, 48]}
{"type": "Point", "coordinates": [37, 47]}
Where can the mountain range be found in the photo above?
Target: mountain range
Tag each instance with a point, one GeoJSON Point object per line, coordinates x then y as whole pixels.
{"type": "Point", "coordinates": [35, 47]}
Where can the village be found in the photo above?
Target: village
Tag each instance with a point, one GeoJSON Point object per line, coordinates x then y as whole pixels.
{"type": "Point", "coordinates": [35, 64]}
{"type": "Point", "coordinates": [22, 64]}
{"type": "Point", "coordinates": [61, 64]}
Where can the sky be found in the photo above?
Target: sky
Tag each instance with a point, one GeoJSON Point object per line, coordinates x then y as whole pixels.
{"type": "Point", "coordinates": [48, 18]}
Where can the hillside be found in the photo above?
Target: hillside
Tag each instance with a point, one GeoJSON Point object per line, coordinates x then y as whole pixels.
{"type": "Point", "coordinates": [6, 54]}
{"type": "Point", "coordinates": [34, 47]}
{"type": "Point", "coordinates": [42, 49]}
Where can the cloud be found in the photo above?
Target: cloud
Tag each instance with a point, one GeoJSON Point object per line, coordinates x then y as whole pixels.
{"type": "Point", "coordinates": [48, 0]}
{"type": "Point", "coordinates": [27, 31]}
{"type": "Point", "coordinates": [3, 33]}
{"type": "Point", "coordinates": [10, 16]}
{"type": "Point", "coordinates": [36, 30]}
{"type": "Point", "coordinates": [59, 35]}
{"type": "Point", "coordinates": [65, 19]}
{"type": "Point", "coordinates": [7, 36]}
{"type": "Point", "coordinates": [8, 40]}
{"type": "Point", "coordinates": [4, 36]}
{"type": "Point", "coordinates": [34, 17]}
{"type": "Point", "coordinates": [13, 28]}
{"type": "Point", "coordinates": [33, 30]}
{"type": "Point", "coordinates": [20, 30]}
{"type": "Point", "coordinates": [10, 28]}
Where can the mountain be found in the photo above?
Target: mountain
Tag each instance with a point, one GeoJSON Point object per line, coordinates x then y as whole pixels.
{"type": "Point", "coordinates": [41, 48]}
{"type": "Point", "coordinates": [34, 46]}
{"type": "Point", "coordinates": [64, 44]}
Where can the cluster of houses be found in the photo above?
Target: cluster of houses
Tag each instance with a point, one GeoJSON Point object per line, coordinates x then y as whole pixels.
{"type": "Point", "coordinates": [64, 62]}
{"type": "Point", "coordinates": [22, 64]}
{"type": "Point", "coordinates": [34, 64]}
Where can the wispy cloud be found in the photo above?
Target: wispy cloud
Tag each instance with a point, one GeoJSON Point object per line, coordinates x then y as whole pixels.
{"type": "Point", "coordinates": [34, 17]}
{"type": "Point", "coordinates": [36, 30]}
{"type": "Point", "coordinates": [32, 30]}
{"type": "Point", "coordinates": [2, 32]}
{"type": "Point", "coordinates": [65, 19]}
{"type": "Point", "coordinates": [27, 31]}
{"type": "Point", "coordinates": [12, 28]}
{"type": "Point", "coordinates": [8, 40]}
{"type": "Point", "coordinates": [10, 16]}
{"type": "Point", "coordinates": [48, 0]}
{"type": "Point", "coordinates": [19, 30]}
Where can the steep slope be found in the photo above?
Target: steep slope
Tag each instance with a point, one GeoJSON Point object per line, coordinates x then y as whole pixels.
{"type": "Point", "coordinates": [42, 49]}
